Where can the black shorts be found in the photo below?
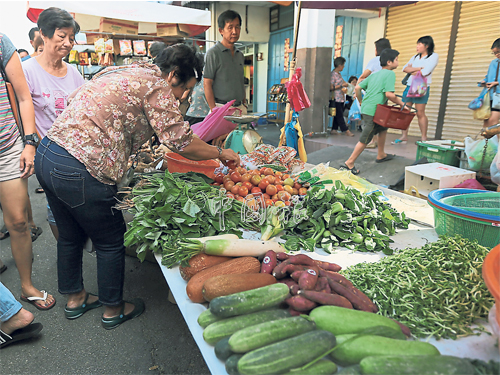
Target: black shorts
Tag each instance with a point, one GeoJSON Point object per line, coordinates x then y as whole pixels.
{"type": "Point", "coordinates": [369, 129]}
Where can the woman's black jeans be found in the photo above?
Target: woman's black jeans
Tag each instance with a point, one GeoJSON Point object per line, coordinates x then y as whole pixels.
{"type": "Point", "coordinates": [82, 207]}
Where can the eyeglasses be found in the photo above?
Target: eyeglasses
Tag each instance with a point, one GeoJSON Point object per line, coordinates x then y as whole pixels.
{"type": "Point", "coordinates": [497, 53]}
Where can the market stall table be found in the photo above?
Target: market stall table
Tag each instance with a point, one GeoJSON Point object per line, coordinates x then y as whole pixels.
{"type": "Point", "coordinates": [478, 347]}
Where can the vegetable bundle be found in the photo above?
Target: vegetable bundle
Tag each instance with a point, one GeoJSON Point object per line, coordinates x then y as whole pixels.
{"type": "Point", "coordinates": [176, 206]}
{"type": "Point", "coordinates": [344, 217]}
{"type": "Point", "coordinates": [435, 290]}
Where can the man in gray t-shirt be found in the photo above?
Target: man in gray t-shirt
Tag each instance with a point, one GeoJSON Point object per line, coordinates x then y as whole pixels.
{"type": "Point", "coordinates": [223, 74]}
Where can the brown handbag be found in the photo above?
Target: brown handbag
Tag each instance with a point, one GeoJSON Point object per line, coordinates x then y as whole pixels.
{"type": "Point", "coordinates": [14, 104]}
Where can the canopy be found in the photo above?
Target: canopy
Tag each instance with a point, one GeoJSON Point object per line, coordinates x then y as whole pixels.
{"type": "Point", "coordinates": [88, 14]}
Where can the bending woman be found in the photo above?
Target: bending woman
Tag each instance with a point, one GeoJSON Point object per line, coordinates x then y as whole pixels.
{"type": "Point", "coordinates": [425, 62]}
{"type": "Point", "coordinates": [491, 82]}
{"type": "Point", "coordinates": [85, 155]}
{"type": "Point", "coordinates": [16, 165]}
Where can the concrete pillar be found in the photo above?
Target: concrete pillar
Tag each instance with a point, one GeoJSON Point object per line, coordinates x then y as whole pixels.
{"type": "Point", "coordinates": [314, 55]}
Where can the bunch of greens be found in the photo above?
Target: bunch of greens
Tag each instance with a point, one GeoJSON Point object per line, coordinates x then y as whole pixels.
{"type": "Point", "coordinates": [344, 217]}
{"type": "Point", "coordinates": [436, 290]}
{"type": "Point", "coordinates": [175, 206]}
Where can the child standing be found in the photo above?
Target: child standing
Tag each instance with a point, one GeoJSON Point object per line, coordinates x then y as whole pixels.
{"type": "Point", "coordinates": [378, 88]}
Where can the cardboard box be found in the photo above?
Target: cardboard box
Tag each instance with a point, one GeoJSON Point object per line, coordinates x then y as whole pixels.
{"type": "Point", "coordinates": [172, 29]}
{"type": "Point", "coordinates": [111, 25]}
{"type": "Point", "coordinates": [428, 177]}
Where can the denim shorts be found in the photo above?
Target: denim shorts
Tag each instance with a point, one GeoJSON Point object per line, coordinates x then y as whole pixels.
{"type": "Point", "coordinates": [422, 100]}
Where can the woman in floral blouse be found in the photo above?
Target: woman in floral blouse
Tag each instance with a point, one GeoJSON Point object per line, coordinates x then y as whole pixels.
{"type": "Point", "coordinates": [85, 154]}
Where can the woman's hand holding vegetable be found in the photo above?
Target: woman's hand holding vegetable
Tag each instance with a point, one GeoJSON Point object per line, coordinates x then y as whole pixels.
{"type": "Point", "coordinates": [229, 155]}
{"type": "Point", "coordinates": [200, 150]}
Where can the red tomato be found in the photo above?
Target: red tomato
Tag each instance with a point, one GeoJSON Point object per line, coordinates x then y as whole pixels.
{"type": "Point", "coordinates": [269, 172]}
{"type": "Point", "coordinates": [241, 170]}
{"type": "Point", "coordinates": [271, 179]}
{"type": "Point", "coordinates": [284, 196]}
{"type": "Point", "coordinates": [248, 185]}
{"type": "Point", "coordinates": [229, 195]}
{"type": "Point", "coordinates": [255, 180]}
{"type": "Point", "coordinates": [215, 184]}
{"type": "Point", "coordinates": [269, 202]}
{"type": "Point", "coordinates": [236, 176]}
{"type": "Point", "coordinates": [302, 191]}
{"type": "Point", "coordinates": [263, 184]}
{"type": "Point", "coordinates": [288, 203]}
{"type": "Point", "coordinates": [235, 190]}
{"type": "Point", "coordinates": [231, 164]}
{"type": "Point", "coordinates": [228, 185]}
{"type": "Point", "coordinates": [246, 177]}
{"type": "Point", "coordinates": [256, 190]}
{"type": "Point", "coordinates": [240, 198]}
{"type": "Point", "coordinates": [243, 191]}
{"type": "Point", "coordinates": [271, 190]}
{"type": "Point", "coordinates": [280, 187]}
{"type": "Point", "coordinates": [219, 177]}
{"type": "Point", "coordinates": [295, 191]}
{"type": "Point", "coordinates": [296, 185]}
{"type": "Point", "coordinates": [266, 196]}
{"type": "Point", "coordinates": [278, 174]}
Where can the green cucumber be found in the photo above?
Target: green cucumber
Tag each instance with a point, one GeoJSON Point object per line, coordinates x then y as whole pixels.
{"type": "Point", "coordinates": [269, 332]}
{"type": "Point", "coordinates": [249, 301]}
{"type": "Point", "coordinates": [222, 349]}
{"type": "Point", "coordinates": [232, 364]}
{"type": "Point", "coordinates": [287, 354]}
{"type": "Point", "coordinates": [353, 348]}
{"type": "Point", "coordinates": [226, 327]}
{"type": "Point", "coordinates": [322, 367]}
{"type": "Point", "coordinates": [340, 321]}
{"type": "Point", "coordinates": [416, 365]}
{"type": "Point", "coordinates": [206, 318]}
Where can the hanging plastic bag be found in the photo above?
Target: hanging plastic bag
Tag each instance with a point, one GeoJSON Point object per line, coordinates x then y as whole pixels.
{"type": "Point", "coordinates": [296, 94]}
{"type": "Point", "coordinates": [214, 125]}
{"type": "Point", "coordinates": [418, 87]}
{"type": "Point", "coordinates": [484, 112]}
{"type": "Point", "coordinates": [495, 169]}
{"type": "Point", "coordinates": [475, 150]}
{"type": "Point", "coordinates": [478, 102]}
{"type": "Point", "coordinates": [354, 112]}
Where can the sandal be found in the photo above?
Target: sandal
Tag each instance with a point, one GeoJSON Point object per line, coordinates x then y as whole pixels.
{"type": "Point", "coordinates": [4, 233]}
{"type": "Point", "coordinates": [353, 170]}
{"type": "Point", "coordinates": [39, 190]}
{"type": "Point", "coordinates": [76, 312]}
{"type": "Point", "coordinates": [24, 333]}
{"type": "Point", "coordinates": [44, 298]}
{"type": "Point", "coordinates": [399, 142]}
{"type": "Point", "coordinates": [35, 233]}
{"type": "Point", "coordinates": [388, 157]}
{"type": "Point", "coordinates": [111, 323]}
{"type": "Point", "coordinates": [3, 268]}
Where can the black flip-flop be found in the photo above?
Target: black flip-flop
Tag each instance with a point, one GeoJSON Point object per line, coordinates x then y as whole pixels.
{"type": "Point", "coordinates": [20, 334]}
{"type": "Point", "coordinates": [3, 268]}
{"type": "Point", "coordinates": [35, 233]}
{"type": "Point", "coordinates": [5, 233]}
{"type": "Point", "coordinates": [353, 170]}
{"type": "Point", "coordinates": [387, 158]}
{"type": "Point", "coordinates": [39, 190]}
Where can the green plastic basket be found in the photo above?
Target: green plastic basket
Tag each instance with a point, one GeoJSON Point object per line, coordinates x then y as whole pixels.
{"type": "Point", "coordinates": [482, 203]}
{"type": "Point", "coordinates": [436, 153]}
{"type": "Point", "coordinates": [449, 224]}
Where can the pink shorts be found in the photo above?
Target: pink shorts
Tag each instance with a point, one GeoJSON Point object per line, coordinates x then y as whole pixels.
{"type": "Point", "coordinates": [9, 162]}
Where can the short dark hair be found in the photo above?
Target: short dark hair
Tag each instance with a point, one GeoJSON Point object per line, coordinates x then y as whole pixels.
{"type": "Point", "coordinates": [227, 16]}
{"type": "Point", "coordinates": [20, 50]}
{"type": "Point", "coordinates": [338, 61]}
{"type": "Point", "coordinates": [352, 78]}
{"type": "Point", "coordinates": [182, 60]}
{"type": "Point", "coordinates": [55, 18]}
{"type": "Point", "coordinates": [428, 42]}
{"type": "Point", "coordinates": [388, 55]}
{"type": "Point", "coordinates": [382, 44]}
{"type": "Point", "coordinates": [32, 32]}
{"type": "Point", "coordinates": [156, 48]}
{"type": "Point", "coordinates": [496, 44]}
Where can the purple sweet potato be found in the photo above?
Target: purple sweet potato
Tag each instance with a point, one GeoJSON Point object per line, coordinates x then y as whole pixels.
{"type": "Point", "coordinates": [353, 298]}
{"type": "Point", "coordinates": [326, 298]}
{"type": "Point", "coordinates": [334, 276]}
{"type": "Point", "coordinates": [282, 256]}
{"type": "Point", "coordinates": [328, 266]}
{"type": "Point", "coordinates": [302, 259]}
{"type": "Point", "coordinates": [279, 271]}
{"type": "Point", "coordinates": [308, 279]}
{"type": "Point", "coordinates": [300, 303]}
{"type": "Point", "coordinates": [406, 331]}
{"type": "Point", "coordinates": [269, 262]}
{"type": "Point", "coordinates": [322, 285]}
{"type": "Point", "coordinates": [296, 275]}
{"type": "Point", "coordinates": [294, 289]}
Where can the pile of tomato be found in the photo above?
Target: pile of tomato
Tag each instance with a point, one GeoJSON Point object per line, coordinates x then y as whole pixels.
{"type": "Point", "coordinates": [259, 187]}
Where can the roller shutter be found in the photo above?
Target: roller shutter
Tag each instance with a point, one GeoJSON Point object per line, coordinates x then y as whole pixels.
{"type": "Point", "coordinates": [405, 24]}
{"type": "Point", "coordinates": [478, 27]}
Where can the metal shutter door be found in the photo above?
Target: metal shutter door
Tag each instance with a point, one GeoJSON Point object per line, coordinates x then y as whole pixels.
{"type": "Point", "coordinates": [479, 26]}
{"type": "Point", "coordinates": [405, 24]}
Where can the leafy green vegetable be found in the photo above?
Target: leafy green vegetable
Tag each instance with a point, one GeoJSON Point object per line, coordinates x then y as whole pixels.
{"type": "Point", "coordinates": [435, 290]}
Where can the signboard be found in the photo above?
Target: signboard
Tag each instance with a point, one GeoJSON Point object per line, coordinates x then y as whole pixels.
{"type": "Point", "coordinates": [287, 56]}
{"type": "Point", "coordinates": [338, 40]}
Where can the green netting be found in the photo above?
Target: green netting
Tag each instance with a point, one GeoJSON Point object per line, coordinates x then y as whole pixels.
{"type": "Point", "coordinates": [482, 203]}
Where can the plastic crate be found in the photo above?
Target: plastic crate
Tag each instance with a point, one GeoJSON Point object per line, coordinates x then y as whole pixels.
{"type": "Point", "coordinates": [393, 117]}
{"type": "Point", "coordinates": [439, 152]}
{"type": "Point", "coordinates": [455, 219]}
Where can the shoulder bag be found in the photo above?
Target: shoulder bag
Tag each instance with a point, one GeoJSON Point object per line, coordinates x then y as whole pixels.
{"type": "Point", "coordinates": [495, 96]}
{"type": "Point", "coordinates": [14, 104]}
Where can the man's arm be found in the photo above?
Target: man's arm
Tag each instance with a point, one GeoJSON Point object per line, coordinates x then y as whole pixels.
{"type": "Point", "coordinates": [209, 92]}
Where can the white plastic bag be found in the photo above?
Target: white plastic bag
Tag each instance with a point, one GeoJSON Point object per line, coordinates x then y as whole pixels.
{"type": "Point", "coordinates": [475, 149]}
{"type": "Point", "coordinates": [495, 169]}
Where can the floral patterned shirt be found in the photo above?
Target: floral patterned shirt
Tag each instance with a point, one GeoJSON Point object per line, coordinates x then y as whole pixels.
{"type": "Point", "coordinates": [113, 115]}
{"type": "Point", "coordinates": [337, 80]}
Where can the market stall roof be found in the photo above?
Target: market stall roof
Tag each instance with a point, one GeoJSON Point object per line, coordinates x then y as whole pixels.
{"type": "Point", "coordinates": [88, 14]}
{"type": "Point", "coordinates": [352, 4]}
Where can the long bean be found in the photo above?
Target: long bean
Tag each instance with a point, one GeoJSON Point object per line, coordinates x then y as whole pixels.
{"type": "Point", "coordinates": [435, 290]}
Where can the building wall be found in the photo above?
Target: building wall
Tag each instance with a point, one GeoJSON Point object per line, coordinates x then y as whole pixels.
{"type": "Point", "coordinates": [374, 31]}
{"type": "Point", "coordinates": [260, 79]}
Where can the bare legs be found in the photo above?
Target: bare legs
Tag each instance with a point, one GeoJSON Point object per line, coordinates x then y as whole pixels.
{"type": "Point", "coordinates": [422, 123]}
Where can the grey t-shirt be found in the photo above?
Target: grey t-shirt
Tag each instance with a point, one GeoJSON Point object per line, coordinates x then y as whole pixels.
{"type": "Point", "coordinates": [227, 73]}
{"type": "Point", "coordinates": [8, 49]}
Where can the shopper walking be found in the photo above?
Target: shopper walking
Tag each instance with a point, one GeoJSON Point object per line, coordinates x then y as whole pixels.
{"type": "Point", "coordinates": [50, 79]}
{"type": "Point", "coordinates": [85, 155]}
{"type": "Point", "coordinates": [491, 82]}
{"type": "Point", "coordinates": [338, 88]}
{"type": "Point", "coordinates": [16, 165]}
{"type": "Point", "coordinates": [425, 62]}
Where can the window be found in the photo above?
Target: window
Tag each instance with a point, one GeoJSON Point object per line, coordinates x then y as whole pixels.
{"type": "Point", "coordinates": [280, 17]}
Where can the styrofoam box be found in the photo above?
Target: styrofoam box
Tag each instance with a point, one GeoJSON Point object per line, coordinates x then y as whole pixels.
{"type": "Point", "coordinates": [432, 176]}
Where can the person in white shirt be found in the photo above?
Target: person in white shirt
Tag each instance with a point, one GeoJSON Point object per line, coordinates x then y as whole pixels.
{"type": "Point", "coordinates": [424, 61]}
